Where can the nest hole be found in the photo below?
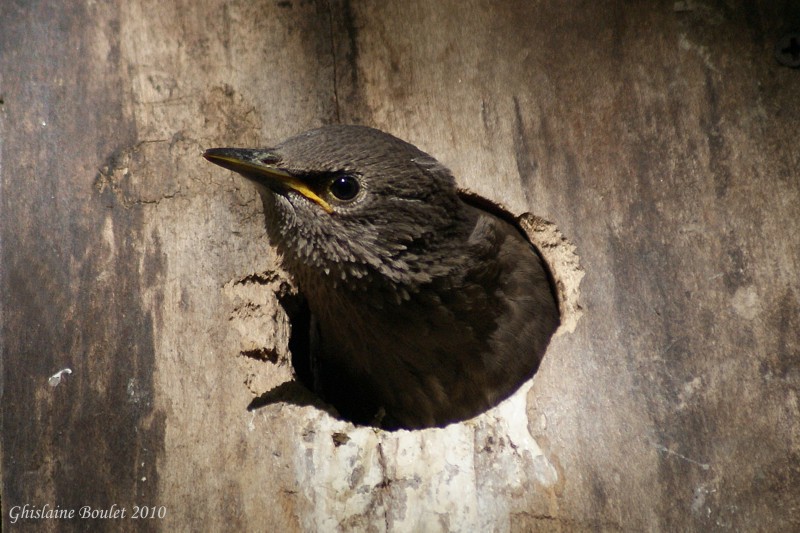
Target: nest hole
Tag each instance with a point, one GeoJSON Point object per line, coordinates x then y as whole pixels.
{"type": "Point", "coordinates": [562, 266]}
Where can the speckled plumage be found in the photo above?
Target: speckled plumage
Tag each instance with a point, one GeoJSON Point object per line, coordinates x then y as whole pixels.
{"type": "Point", "coordinates": [427, 310]}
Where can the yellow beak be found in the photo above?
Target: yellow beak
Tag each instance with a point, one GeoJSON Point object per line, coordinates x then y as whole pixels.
{"type": "Point", "coordinates": [249, 163]}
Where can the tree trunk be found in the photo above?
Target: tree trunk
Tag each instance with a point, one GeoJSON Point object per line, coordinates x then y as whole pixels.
{"type": "Point", "coordinates": [660, 138]}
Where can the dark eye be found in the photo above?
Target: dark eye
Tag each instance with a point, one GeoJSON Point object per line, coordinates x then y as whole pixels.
{"type": "Point", "coordinates": [344, 187]}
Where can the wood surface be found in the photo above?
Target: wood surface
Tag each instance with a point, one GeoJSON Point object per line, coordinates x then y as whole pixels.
{"type": "Point", "coordinates": [660, 138]}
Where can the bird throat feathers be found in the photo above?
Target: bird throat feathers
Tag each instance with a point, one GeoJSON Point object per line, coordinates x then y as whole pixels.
{"type": "Point", "coordinates": [323, 258]}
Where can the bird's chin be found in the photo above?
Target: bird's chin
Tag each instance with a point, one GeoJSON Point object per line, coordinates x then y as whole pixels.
{"type": "Point", "coordinates": [293, 227]}
{"type": "Point", "coordinates": [281, 202]}
{"type": "Point", "coordinates": [303, 235]}
{"type": "Point", "coordinates": [283, 210]}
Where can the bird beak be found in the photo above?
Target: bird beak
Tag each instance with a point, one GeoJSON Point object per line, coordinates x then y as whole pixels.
{"type": "Point", "coordinates": [254, 165]}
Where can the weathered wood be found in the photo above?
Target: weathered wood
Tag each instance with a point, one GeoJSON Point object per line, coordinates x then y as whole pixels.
{"type": "Point", "coordinates": [661, 139]}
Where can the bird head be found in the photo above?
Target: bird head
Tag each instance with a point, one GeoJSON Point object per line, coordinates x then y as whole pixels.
{"type": "Point", "coordinates": [349, 201]}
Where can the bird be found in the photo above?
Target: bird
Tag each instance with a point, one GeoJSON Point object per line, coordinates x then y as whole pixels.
{"type": "Point", "coordinates": [427, 307]}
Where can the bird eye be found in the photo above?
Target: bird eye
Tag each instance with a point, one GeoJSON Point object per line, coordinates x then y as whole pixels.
{"type": "Point", "coordinates": [344, 188]}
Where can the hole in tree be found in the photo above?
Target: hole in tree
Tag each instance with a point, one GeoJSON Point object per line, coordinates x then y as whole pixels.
{"type": "Point", "coordinates": [347, 397]}
{"type": "Point", "coordinates": [300, 340]}
{"type": "Point", "coordinates": [338, 390]}
{"type": "Point", "coordinates": [793, 48]}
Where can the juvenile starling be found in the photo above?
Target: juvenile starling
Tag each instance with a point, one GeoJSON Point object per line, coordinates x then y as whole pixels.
{"type": "Point", "coordinates": [427, 309]}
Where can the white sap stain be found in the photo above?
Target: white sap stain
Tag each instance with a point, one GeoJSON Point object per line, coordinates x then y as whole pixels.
{"type": "Point", "coordinates": [57, 378]}
{"type": "Point", "coordinates": [438, 479]}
